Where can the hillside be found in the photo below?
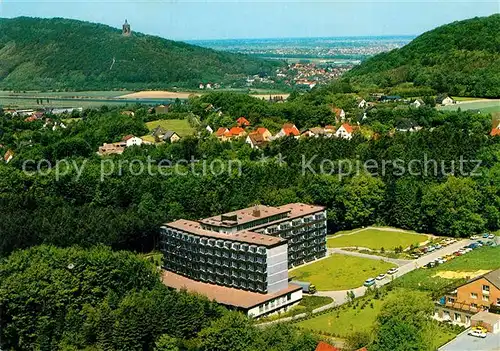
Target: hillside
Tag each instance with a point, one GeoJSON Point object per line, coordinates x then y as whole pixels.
{"type": "Point", "coordinates": [461, 58]}
{"type": "Point", "coordinates": [68, 54]}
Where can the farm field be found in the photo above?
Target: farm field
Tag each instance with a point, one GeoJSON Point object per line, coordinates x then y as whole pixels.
{"type": "Point", "coordinates": [376, 238]}
{"type": "Point", "coordinates": [66, 94]}
{"type": "Point", "coordinates": [486, 106]}
{"type": "Point", "coordinates": [180, 126]}
{"type": "Point", "coordinates": [458, 269]}
{"type": "Point", "coordinates": [348, 320]}
{"type": "Point", "coordinates": [340, 272]}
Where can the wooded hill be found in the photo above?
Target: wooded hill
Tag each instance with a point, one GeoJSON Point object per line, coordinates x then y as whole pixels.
{"type": "Point", "coordinates": [461, 58]}
{"type": "Point", "coordinates": [68, 54]}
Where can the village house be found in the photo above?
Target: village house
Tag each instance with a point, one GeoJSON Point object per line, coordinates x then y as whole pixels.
{"type": "Point", "coordinates": [481, 294]}
{"type": "Point", "coordinates": [314, 132]}
{"type": "Point", "coordinates": [161, 109]}
{"type": "Point", "coordinates": [339, 114]}
{"type": "Point", "coordinates": [266, 134]}
{"type": "Point", "coordinates": [209, 129]}
{"type": "Point", "coordinates": [236, 132]}
{"type": "Point", "coordinates": [242, 122]}
{"type": "Point", "coordinates": [288, 129]}
{"type": "Point", "coordinates": [445, 100]}
{"type": "Point", "coordinates": [128, 113]}
{"type": "Point", "coordinates": [362, 103]}
{"type": "Point", "coordinates": [330, 130]}
{"type": "Point", "coordinates": [171, 137]}
{"type": "Point", "coordinates": [8, 156]}
{"type": "Point", "coordinates": [111, 149]}
{"type": "Point", "coordinates": [417, 103]}
{"type": "Point", "coordinates": [256, 140]}
{"type": "Point", "coordinates": [131, 140]}
{"type": "Point", "coordinates": [390, 98]}
{"type": "Point", "coordinates": [495, 131]}
{"type": "Point", "coordinates": [222, 133]}
{"type": "Point", "coordinates": [345, 131]}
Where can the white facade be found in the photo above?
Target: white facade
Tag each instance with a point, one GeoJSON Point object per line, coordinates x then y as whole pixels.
{"type": "Point", "coordinates": [447, 101]}
{"type": "Point", "coordinates": [277, 268]}
{"type": "Point", "coordinates": [343, 133]}
{"type": "Point", "coordinates": [134, 141]}
{"type": "Point", "coordinates": [278, 304]}
{"type": "Point", "coordinates": [362, 104]}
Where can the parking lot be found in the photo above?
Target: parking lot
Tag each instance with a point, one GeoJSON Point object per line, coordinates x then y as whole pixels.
{"type": "Point", "coordinates": [464, 342]}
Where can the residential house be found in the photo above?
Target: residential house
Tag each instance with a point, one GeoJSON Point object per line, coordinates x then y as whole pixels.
{"type": "Point", "coordinates": [201, 86]}
{"type": "Point", "coordinates": [131, 140]}
{"type": "Point", "coordinates": [242, 122]}
{"type": "Point", "coordinates": [417, 103]}
{"type": "Point", "coordinates": [330, 130]}
{"type": "Point", "coordinates": [161, 109]}
{"type": "Point", "coordinates": [158, 133]}
{"type": "Point", "coordinates": [209, 129]}
{"type": "Point", "coordinates": [390, 98]}
{"type": "Point", "coordinates": [8, 156]}
{"type": "Point", "coordinates": [444, 100]}
{"type": "Point", "coordinates": [288, 129]}
{"type": "Point", "coordinates": [128, 113]}
{"type": "Point", "coordinates": [313, 132]}
{"type": "Point", "coordinates": [362, 104]}
{"type": "Point", "coordinates": [323, 346]}
{"type": "Point", "coordinates": [345, 131]}
{"type": "Point", "coordinates": [111, 149]}
{"type": "Point", "coordinates": [256, 140]}
{"type": "Point", "coordinates": [266, 134]}
{"type": "Point", "coordinates": [479, 294]}
{"type": "Point", "coordinates": [31, 118]}
{"type": "Point", "coordinates": [171, 137]}
{"type": "Point", "coordinates": [236, 132]}
{"type": "Point", "coordinates": [222, 133]}
{"type": "Point", "coordinates": [339, 114]}
{"type": "Point", "coordinates": [495, 131]}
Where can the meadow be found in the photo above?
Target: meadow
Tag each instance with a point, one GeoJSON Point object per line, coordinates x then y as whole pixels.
{"type": "Point", "coordinates": [376, 238]}
{"type": "Point", "coordinates": [180, 126]}
{"type": "Point", "coordinates": [340, 272]}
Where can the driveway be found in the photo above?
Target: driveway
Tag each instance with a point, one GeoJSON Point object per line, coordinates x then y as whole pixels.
{"type": "Point", "coordinates": [396, 261]}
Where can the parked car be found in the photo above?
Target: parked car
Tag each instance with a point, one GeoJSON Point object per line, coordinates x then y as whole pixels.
{"type": "Point", "coordinates": [438, 246]}
{"type": "Point", "coordinates": [486, 235]}
{"type": "Point", "coordinates": [479, 328]}
{"type": "Point", "coordinates": [369, 282]}
{"type": "Point", "coordinates": [474, 237]}
{"type": "Point", "coordinates": [392, 271]}
{"type": "Point", "coordinates": [307, 287]}
{"type": "Point", "coordinates": [477, 333]}
{"type": "Point", "coordinates": [381, 276]}
{"type": "Point", "coordinates": [491, 236]}
{"type": "Point", "coordinates": [440, 260]}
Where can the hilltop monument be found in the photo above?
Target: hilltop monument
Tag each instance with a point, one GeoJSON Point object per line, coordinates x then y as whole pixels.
{"type": "Point", "coordinates": [126, 29]}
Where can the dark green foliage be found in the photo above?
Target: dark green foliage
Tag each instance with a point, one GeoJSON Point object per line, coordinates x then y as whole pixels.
{"type": "Point", "coordinates": [460, 58]}
{"type": "Point", "coordinates": [33, 56]}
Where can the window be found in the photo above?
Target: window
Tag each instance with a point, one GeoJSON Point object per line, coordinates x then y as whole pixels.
{"type": "Point", "coordinates": [473, 295]}
{"type": "Point", "coordinates": [451, 300]}
{"type": "Point", "coordinates": [457, 316]}
{"type": "Point", "coordinates": [261, 309]}
{"type": "Point", "coordinates": [486, 288]}
{"type": "Point", "coordinates": [473, 305]}
{"type": "Point", "coordinates": [288, 296]}
{"type": "Point", "coordinates": [486, 298]}
{"type": "Point", "coordinates": [498, 301]}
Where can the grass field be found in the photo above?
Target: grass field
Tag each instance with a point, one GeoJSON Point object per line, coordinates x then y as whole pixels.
{"type": "Point", "coordinates": [350, 319]}
{"type": "Point", "coordinates": [180, 126]}
{"type": "Point", "coordinates": [376, 239]}
{"type": "Point", "coordinates": [485, 106]}
{"type": "Point", "coordinates": [464, 98]}
{"type": "Point", "coordinates": [340, 272]}
{"type": "Point", "coordinates": [485, 258]}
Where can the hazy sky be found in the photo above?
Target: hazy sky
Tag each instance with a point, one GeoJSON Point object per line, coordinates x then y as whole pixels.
{"type": "Point", "coordinates": [185, 20]}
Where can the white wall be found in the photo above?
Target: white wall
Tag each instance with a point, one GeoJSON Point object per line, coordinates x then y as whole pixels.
{"type": "Point", "coordinates": [277, 268]}
{"type": "Point", "coordinates": [279, 304]}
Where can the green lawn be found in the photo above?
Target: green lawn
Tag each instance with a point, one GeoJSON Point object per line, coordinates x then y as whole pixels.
{"type": "Point", "coordinates": [180, 126]}
{"type": "Point", "coordinates": [485, 106]}
{"type": "Point", "coordinates": [465, 98]}
{"type": "Point", "coordinates": [485, 258]}
{"type": "Point", "coordinates": [376, 239]}
{"type": "Point", "coordinates": [360, 317]}
{"type": "Point", "coordinates": [307, 304]}
{"type": "Point", "coordinates": [340, 272]}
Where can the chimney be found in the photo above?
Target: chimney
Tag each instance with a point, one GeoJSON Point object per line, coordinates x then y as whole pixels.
{"type": "Point", "coordinates": [256, 211]}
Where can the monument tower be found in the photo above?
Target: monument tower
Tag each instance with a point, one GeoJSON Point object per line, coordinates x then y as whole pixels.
{"type": "Point", "coordinates": [126, 29]}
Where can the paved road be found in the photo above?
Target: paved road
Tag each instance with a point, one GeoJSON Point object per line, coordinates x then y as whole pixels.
{"type": "Point", "coordinates": [340, 296]}
{"type": "Point", "coordinates": [396, 261]}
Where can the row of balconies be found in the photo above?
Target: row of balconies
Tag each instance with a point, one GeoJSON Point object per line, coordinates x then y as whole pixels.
{"type": "Point", "coordinates": [235, 283]}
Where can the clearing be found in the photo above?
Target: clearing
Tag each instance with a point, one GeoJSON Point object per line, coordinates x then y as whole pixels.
{"type": "Point", "coordinates": [485, 105]}
{"type": "Point", "coordinates": [180, 126]}
{"type": "Point", "coordinates": [439, 278]}
{"type": "Point", "coordinates": [340, 272]}
{"type": "Point", "coordinates": [360, 317]}
{"type": "Point", "coordinates": [376, 238]}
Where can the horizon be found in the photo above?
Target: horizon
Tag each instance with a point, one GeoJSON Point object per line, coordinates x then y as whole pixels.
{"type": "Point", "coordinates": [186, 20]}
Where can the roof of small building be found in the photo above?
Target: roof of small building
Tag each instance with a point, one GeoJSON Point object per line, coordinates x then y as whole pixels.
{"type": "Point", "coordinates": [235, 131]}
{"type": "Point", "coordinates": [127, 137]}
{"type": "Point", "coordinates": [242, 121]}
{"type": "Point", "coordinates": [223, 294]}
{"type": "Point", "coordinates": [169, 134]}
{"type": "Point", "coordinates": [348, 127]}
{"type": "Point", "coordinates": [487, 317]}
{"type": "Point", "coordinates": [290, 129]}
{"type": "Point", "coordinates": [323, 346]}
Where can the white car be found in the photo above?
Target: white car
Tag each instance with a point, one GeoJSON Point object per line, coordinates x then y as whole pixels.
{"type": "Point", "coordinates": [438, 246]}
{"type": "Point", "coordinates": [477, 333]}
{"type": "Point", "coordinates": [474, 237]}
{"type": "Point", "coordinates": [440, 260]}
{"type": "Point", "coordinates": [392, 271]}
{"type": "Point", "coordinates": [380, 276]}
{"type": "Point", "coordinates": [491, 236]}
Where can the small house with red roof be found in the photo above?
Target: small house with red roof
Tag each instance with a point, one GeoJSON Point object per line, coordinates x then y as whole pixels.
{"type": "Point", "coordinates": [236, 132]}
{"type": "Point", "coordinates": [288, 129]}
{"type": "Point", "coordinates": [495, 131]}
{"type": "Point", "coordinates": [242, 122]}
{"type": "Point", "coordinates": [323, 346]}
{"type": "Point", "coordinates": [131, 140]}
{"type": "Point", "coordinates": [264, 132]}
{"type": "Point", "coordinates": [339, 114]}
{"type": "Point", "coordinates": [8, 156]}
{"type": "Point", "coordinates": [345, 131]}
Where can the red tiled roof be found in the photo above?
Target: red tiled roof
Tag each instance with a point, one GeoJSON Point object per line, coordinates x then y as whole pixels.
{"type": "Point", "coordinates": [348, 127]}
{"type": "Point", "coordinates": [221, 131]}
{"type": "Point", "coordinates": [127, 137]}
{"type": "Point", "coordinates": [290, 129]}
{"type": "Point", "coordinates": [323, 346]}
{"type": "Point", "coordinates": [261, 130]}
{"type": "Point", "coordinates": [8, 155]}
{"type": "Point", "coordinates": [222, 294]}
{"type": "Point", "coordinates": [242, 121]}
{"type": "Point", "coordinates": [236, 131]}
{"type": "Point", "coordinates": [495, 131]}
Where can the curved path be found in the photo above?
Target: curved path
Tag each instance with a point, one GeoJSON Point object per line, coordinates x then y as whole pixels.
{"type": "Point", "coordinates": [340, 296]}
{"type": "Point", "coordinates": [396, 261]}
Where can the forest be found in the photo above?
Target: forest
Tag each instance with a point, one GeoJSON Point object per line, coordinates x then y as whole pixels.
{"type": "Point", "coordinates": [461, 59]}
{"type": "Point", "coordinates": [97, 57]}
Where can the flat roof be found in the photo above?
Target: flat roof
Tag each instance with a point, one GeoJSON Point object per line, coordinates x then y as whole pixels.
{"type": "Point", "coordinates": [487, 317]}
{"type": "Point", "coordinates": [297, 210]}
{"type": "Point", "coordinates": [464, 342]}
{"type": "Point", "coordinates": [223, 294]}
{"type": "Point", "coordinates": [244, 215]}
{"type": "Point", "coordinates": [242, 236]}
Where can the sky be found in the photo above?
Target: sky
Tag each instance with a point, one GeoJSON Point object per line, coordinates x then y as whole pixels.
{"type": "Point", "coordinates": [230, 19]}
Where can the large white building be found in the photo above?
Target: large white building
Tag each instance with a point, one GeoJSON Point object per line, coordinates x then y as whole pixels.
{"type": "Point", "coordinates": [241, 259]}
